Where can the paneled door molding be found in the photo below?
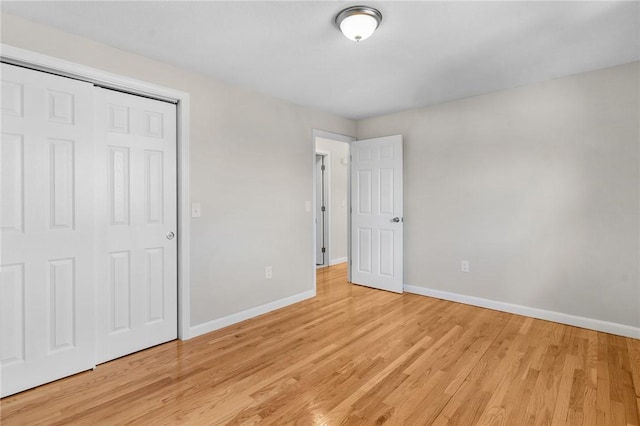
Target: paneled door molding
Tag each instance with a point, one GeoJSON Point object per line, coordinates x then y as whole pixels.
{"type": "Point", "coordinates": [135, 210]}
{"type": "Point", "coordinates": [47, 222]}
{"type": "Point", "coordinates": [37, 61]}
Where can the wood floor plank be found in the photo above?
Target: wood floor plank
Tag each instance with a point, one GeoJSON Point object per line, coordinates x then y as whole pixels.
{"type": "Point", "coordinates": [633, 347]}
{"type": "Point", "coordinates": [357, 356]}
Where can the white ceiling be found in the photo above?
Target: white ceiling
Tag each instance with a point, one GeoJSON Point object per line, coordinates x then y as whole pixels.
{"type": "Point", "coordinates": [424, 53]}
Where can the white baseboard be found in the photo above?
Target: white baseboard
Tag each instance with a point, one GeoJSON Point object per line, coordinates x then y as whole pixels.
{"type": "Point", "coordinates": [217, 324]}
{"type": "Point", "coordinates": [583, 322]}
{"type": "Point", "coordinates": [339, 260]}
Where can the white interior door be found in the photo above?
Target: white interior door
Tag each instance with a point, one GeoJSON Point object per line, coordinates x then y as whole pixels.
{"type": "Point", "coordinates": [46, 265]}
{"type": "Point", "coordinates": [376, 217]}
{"type": "Point", "coordinates": [136, 205]}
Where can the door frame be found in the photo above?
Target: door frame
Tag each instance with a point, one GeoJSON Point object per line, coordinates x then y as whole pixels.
{"type": "Point", "coordinates": [317, 133]}
{"type": "Point", "coordinates": [28, 59]}
{"type": "Point", "coordinates": [327, 201]}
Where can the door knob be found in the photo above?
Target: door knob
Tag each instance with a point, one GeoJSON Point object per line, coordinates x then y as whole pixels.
{"type": "Point", "coordinates": [170, 235]}
{"type": "Point", "coordinates": [395, 219]}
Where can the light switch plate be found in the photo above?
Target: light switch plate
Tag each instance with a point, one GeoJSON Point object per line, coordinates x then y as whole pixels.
{"type": "Point", "coordinates": [307, 206]}
{"type": "Point", "coordinates": [195, 210]}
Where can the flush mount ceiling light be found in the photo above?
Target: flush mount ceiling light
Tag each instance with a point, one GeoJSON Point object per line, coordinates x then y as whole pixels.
{"type": "Point", "coordinates": [358, 22]}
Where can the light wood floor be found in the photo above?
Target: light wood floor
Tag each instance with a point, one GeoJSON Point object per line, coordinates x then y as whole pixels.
{"type": "Point", "coordinates": [354, 355]}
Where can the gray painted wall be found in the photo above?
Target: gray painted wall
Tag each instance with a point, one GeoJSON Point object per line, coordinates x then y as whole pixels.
{"type": "Point", "coordinates": [251, 170]}
{"type": "Point", "coordinates": [538, 187]}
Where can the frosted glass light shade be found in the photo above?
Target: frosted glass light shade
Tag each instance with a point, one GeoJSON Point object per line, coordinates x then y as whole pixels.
{"type": "Point", "coordinates": [359, 22]}
{"type": "Point", "coordinates": [358, 27]}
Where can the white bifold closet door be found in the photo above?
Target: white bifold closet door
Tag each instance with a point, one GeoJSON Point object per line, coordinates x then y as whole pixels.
{"type": "Point", "coordinates": [136, 270]}
{"type": "Point", "coordinates": [88, 253]}
{"type": "Point", "coordinates": [47, 219]}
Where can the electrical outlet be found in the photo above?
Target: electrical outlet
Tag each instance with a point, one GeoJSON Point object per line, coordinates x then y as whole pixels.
{"type": "Point", "coordinates": [268, 272]}
{"type": "Point", "coordinates": [464, 266]}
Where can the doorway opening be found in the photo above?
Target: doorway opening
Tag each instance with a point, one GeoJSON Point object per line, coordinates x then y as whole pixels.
{"type": "Point", "coordinates": [331, 200]}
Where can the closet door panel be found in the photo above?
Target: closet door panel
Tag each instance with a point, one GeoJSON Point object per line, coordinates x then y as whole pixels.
{"type": "Point", "coordinates": [47, 228]}
{"type": "Point", "coordinates": [137, 207]}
